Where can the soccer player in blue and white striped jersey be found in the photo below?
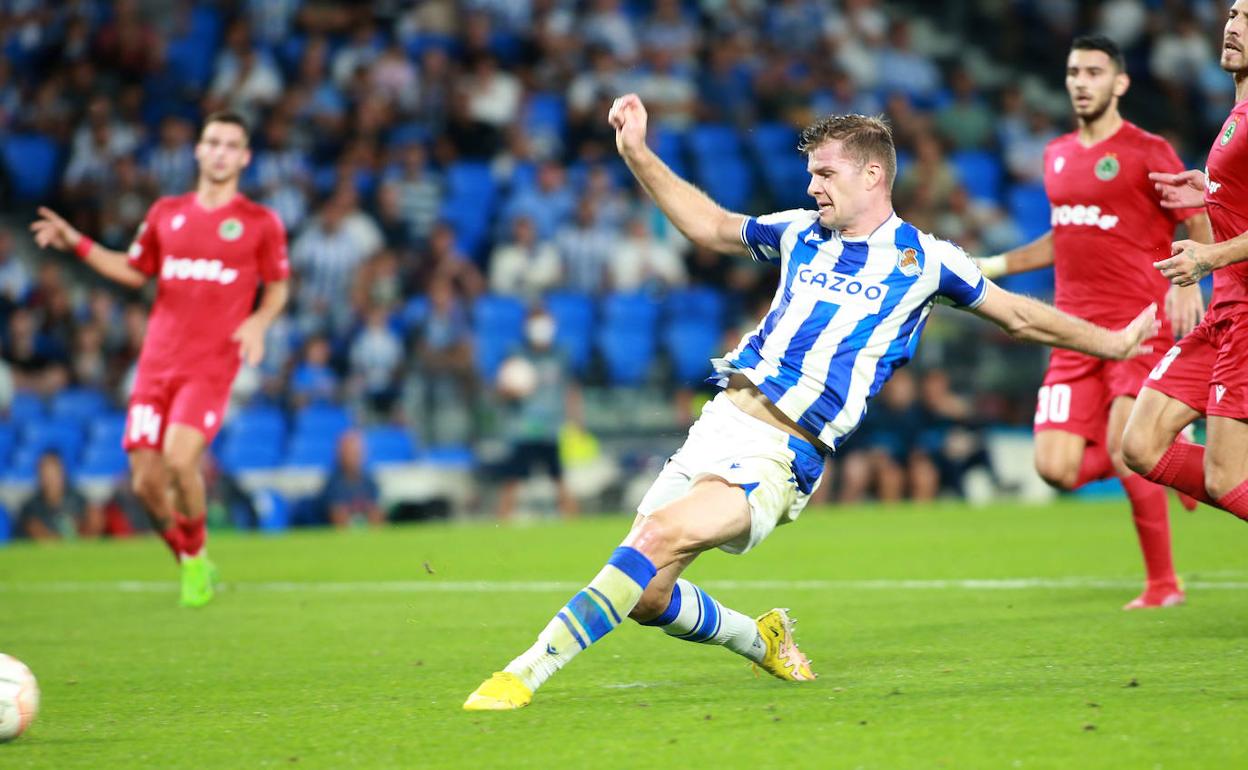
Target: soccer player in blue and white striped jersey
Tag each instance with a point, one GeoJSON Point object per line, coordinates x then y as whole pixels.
{"type": "Point", "coordinates": [856, 286]}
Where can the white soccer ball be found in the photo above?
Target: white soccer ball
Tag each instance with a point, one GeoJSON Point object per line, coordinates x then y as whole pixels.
{"type": "Point", "coordinates": [517, 377]}
{"type": "Point", "coordinates": [19, 697]}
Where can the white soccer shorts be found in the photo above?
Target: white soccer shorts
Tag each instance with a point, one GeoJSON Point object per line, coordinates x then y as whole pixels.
{"type": "Point", "coordinates": [778, 472]}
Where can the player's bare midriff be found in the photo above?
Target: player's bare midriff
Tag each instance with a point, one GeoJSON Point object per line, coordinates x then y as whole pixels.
{"type": "Point", "coordinates": [749, 399]}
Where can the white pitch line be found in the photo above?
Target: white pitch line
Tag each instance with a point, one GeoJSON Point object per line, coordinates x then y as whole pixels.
{"type": "Point", "coordinates": [502, 586]}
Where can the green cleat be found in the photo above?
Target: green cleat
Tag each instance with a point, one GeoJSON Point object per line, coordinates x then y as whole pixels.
{"type": "Point", "coordinates": [198, 578]}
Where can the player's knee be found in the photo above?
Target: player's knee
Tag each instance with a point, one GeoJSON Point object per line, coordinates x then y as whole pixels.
{"type": "Point", "coordinates": [181, 463]}
{"type": "Point", "coordinates": [146, 483]}
{"type": "Point", "coordinates": [1138, 452]}
{"type": "Point", "coordinates": [1057, 473]}
{"type": "Point", "coordinates": [659, 537]}
{"type": "Point", "coordinates": [1220, 480]}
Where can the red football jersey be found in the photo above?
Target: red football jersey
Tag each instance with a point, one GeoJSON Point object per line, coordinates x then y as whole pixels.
{"type": "Point", "coordinates": [209, 264]}
{"type": "Point", "coordinates": [1108, 223]}
{"type": "Point", "coordinates": [1226, 196]}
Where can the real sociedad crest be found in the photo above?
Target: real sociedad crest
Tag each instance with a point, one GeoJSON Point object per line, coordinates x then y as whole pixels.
{"type": "Point", "coordinates": [908, 262]}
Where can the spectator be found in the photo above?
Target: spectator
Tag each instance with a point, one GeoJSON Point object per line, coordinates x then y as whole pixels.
{"type": "Point", "coordinates": [523, 266]}
{"type": "Point", "coordinates": [1024, 155]}
{"type": "Point", "coordinates": [669, 92]}
{"type": "Point", "coordinates": [57, 511]}
{"type": "Point", "coordinates": [325, 256]}
{"type": "Point", "coordinates": [419, 192]}
{"type": "Point", "coordinates": [376, 357]}
{"type": "Point", "coordinates": [534, 415]}
{"type": "Point", "coordinates": [351, 496]}
{"type": "Point", "coordinates": [14, 275]}
{"type": "Point", "coordinates": [966, 122]}
{"type": "Point", "coordinates": [548, 206]}
{"type": "Point", "coordinates": [643, 262]}
{"type": "Point", "coordinates": [585, 249]}
{"type": "Point", "coordinates": [607, 25]}
{"type": "Point", "coordinates": [493, 96]}
{"type": "Point", "coordinates": [442, 375]}
{"type": "Point", "coordinates": [887, 459]}
{"type": "Point", "coordinates": [35, 363]}
{"type": "Point", "coordinates": [171, 164]}
{"type": "Point", "coordinates": [314, 380]}
{"type": "Point", "coordinates": [903, 69]}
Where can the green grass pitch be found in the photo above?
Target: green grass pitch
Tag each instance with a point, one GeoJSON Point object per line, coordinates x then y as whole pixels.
{"type": "Point", "coordinates": [343, 650]}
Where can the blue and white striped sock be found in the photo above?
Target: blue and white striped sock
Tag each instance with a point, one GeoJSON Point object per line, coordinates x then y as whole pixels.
{"type": "Point", "coordinates": [695, 616]}
{"type": "Point", "coordinates": [587, 617]}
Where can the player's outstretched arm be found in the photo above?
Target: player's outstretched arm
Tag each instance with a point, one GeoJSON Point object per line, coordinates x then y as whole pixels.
{"type": "Point", "coordinates": [1191, 261]}
{"type": "Point", "coordinates": [701, 219]}
{"type": "Point", "coordinates": [52, 231]}
{"type": "Point", "coordinates": [1031, 256]}
{"type": "Point", "coordinates": [1033, 321]}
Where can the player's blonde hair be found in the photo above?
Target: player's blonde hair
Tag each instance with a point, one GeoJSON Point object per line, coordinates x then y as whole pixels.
{"type": "Point", "coordinates": [863, 138]}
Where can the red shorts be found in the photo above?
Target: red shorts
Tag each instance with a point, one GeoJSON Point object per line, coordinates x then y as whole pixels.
{"type": "Point", "coordinates": [158, 401]}
{"type": "Point", "coordinates": [1079, 388]}
{"type": "Point", "coordinates": [1208, 369]}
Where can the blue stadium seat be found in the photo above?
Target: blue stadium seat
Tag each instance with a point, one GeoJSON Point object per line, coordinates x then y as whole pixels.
{"type": "Point", "coordinates": [545, 114]}
{"type": "Point", "coordinates": [25, 462]}
{"type": "Point", "coordinates": [65, 436]}
{"type": "Point", "coordinates": [6, 525]}
{"type": "Point", "coordinates": [696, 303]}
{"type": "Point", "coordinates": [388, 444]}
{"type": "Point", "coordinates": [628, 354]}
{"type": "Point", "coordinates": [574, 323]}
{"type": "Point", "coordinates": [79, 404]}
{"type": "Point", "coordinates": [107, 428]}
{"type": "Point", "coordinates": [102, 460]}
{"type": "Point", "coordinates": [470, 218]}
{"type": "Point", "coordinates": [786, 180]}
{"type": "Point", "coordinates": [690, 345]}
{"type": "Point", "coordinates": [408, 133]}
{"type": "Point", "coordinates": [272, 510]}
{"type": "Point", "coordinates": [450, 456]}
{"type": "Point", "coordinates": [771, 139]}
{"type": "Point", "coordinates": [26, 407]}
{"type": "Point", "coordinates": [728, 179]}
{"type": "Point", "coordinates": [630, 309]}
{"type": "Point", "coordinates": [413, 313]}
{"type": "Point", "coordinates": [326, 420]}
{"type": "Point", "coordinates": [8, 440]}
{"type": "Point", "coordinates": [498, 325]}
{"type": "Point", "coordinates": [1029, 206]}
{"type": "Point", "coordinates": [980, 172]}
{"type": "Point", "coordinates": [471, 180]}
{"type": "Point", "coordinates": [32, 162]}
{"type": "Point", "coordinates": [714, 142]}
{"type": "Point", "coordinates": [241, 456]}
{"type": "Point", "coordinates": [670, 146]}
{"type": "Point", "coordinates": [311, 451]}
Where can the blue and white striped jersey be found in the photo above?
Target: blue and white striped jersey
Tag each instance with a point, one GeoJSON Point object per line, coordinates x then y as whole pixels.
{"type": "Point", "coordinates": [848, 312]}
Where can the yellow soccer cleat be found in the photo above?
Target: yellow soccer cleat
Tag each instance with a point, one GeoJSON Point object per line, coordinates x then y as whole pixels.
{"type": "Point", "coordinates": [501, 692]}
{"type": "Point", "coordinates": [783, 660]}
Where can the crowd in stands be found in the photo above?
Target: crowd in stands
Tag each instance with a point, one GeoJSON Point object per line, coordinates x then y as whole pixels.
{"type": "Point", "coordinates": [444, 166]}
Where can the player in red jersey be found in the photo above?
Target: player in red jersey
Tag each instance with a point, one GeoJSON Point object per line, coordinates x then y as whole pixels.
{"type": "Point", "coordinates": [1108, 227]}
{"type": "Point", "coordinates": [1207, 372]}
{"type": "Point", "coordinates": [210, 251]}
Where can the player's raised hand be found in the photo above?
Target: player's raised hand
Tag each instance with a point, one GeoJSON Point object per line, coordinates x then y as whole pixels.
{"type": "Point", "coordinates": [1133, 336]}
{"type": "Point", "coordinates": [1183, 190]}
{"type": "Point", "coordinates": [52, 231]}
{"type": "Point", "coordinates": [1185, 307]}
{"type": "Point", "coordinates": [1189, 262]}
{"type": "Point", "coordinates": [250, 338]}
{"type": "Point", "coordinates": [628, 117]}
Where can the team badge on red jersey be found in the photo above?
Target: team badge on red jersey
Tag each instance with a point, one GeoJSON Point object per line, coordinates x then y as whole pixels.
{"type": "Point", "coordinates": [1107, 167]}
{"type": "Point", "coordinates": [230, 230]}
{"type": "Point", "coordinates": [1229, 132]}
{"type": "Point", "coordinates": [908, 262]}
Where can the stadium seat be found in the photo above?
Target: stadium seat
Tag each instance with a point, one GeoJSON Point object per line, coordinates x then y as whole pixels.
{"type": "Point", "coordinates": [630, 309]}
{"type": "Point", "coordinates": [980, 172]}
{"type": "Point", "coordinates": [574, 322]}
{"type": "Point", "coordinates": [273, 511]}
{"type": "Point", "coordinates": [408, 133]}
{"type": "Point", "coordinates": [311, 452]}
{"type": "Point", "coordinates": [24, 463]}
{"type": "Point", "coordinates": [670, 146]}
{"type": "Point", "coordinates": [713, 142]}
{"type": "Point", "coordinates": [322, 419]}
{"type": "Point", "coordinates": [628, 354]}
{"type": "Point", "coordinates": [388, 444]}
{"type": "Point", "coordinates": [26, 406]}
{"type": "Point", "coordinates": [8, 440]}
{"type": "Point", "coordinates": [690, 345]}
{"type": "Point", "coordinates": [241, 456]}
{"type": "Point", "coordinates": [259, 423]}
{"type": "Point", "coordinates": [6, 525]}
{"type": "Point", "coordinates": [64, 436]}
{"type": "Point", "coordinates": [79, 404]}
{"type": "Point", "coordinates": [498, 325]}
{"type": "Point", "coordinates": [545, 114]}
{"type": "Point", "coordinates": [450, 456]}
{"type": "Point", "coordinates": [413, 313]}
{"type": "Point", "coordinates": [102, 460]}
{"type": "Point", "coordinates": [1029, 205]}
{"type": "Point", "coordinates": [728, 179]}
{"type": "Point", "coordinates": [772, 139]}
{"type": "Point", "coordinates": [32, 162]}
{"type": "Point", "coordinates": [701, 303]}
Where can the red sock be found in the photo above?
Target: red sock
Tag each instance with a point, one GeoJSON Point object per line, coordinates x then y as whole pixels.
{"type": "Point", "coordinates": [1183, 467]}
{"type": "Point", "coordinates": [193, 534]}
{"type": "Point", "coordinates": [1236, 501]}
{"type": "Point", "coordinates": [1095, 465]}
{"type": "Point", "coordinates": [174, 539]}
{"type": "Point", "coordinates": [1151, 514]}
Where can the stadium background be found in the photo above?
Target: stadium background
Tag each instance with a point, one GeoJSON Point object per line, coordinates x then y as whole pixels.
{"type": "Point", "coordinates": [405, 146]}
